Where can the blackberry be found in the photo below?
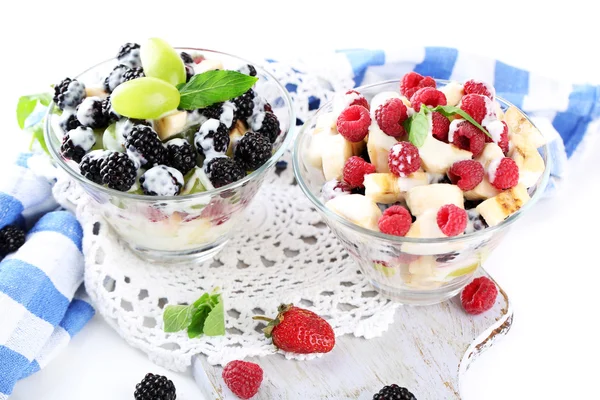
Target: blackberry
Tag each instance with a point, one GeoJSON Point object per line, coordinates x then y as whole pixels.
{"type": "Point", "coordinates": [68, 121]}
{"type": "Point", "coordinates": [252, 151]}
{"type": "Point", "coordinates": [223, 170]}
{"type": "Point", "coordinates": [394, 392]}
{"type": "Point", "coordinates": [186, 58]}
{"type": "Point", "coordinates": [76, 143]}
{"type": "Point", "coordinates": [248, 69]}
{"type": "Point", "coordinates": [90, 165]}
{"type": "Point", "coordinates": [155, 387]}
{"type": "Point", "coordinates": [90, 113]}
{"type": "Point", "coordinates": [270, 127]}
{"type": "Point", "coordinates": [444, 258]}
{"type": "Point", "coordinates": [224, 112]}
{"type": "Point", "coordinates": [118, 171]}
{"type": "Point", "coordinates": [212, 137]}
{"type": "Point", "coordinates": [69, 93]}
{"type": "Point", "coordinates": [129, 55]}
{"type": "Point", "coordinates": [144, 145]}
{"type": "Point", "coordinates": [133, 73]}
{"type": "Point", "coordinates": [115, 78]}
{"type": "Point", "coordinates": [108, 111]}
{"type": "Point", "coordinates": [180, 155]}
{"type": "Point", "coordinates": [11, 239]}
{"type": "Point", "coordinates": [244, 105]}
{"type": "Point", "coordinates": [161, 181]}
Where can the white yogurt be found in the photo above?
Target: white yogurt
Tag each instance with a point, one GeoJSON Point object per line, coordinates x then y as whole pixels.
{"type": "Point", "coordinates": [492, 167]}
{"type": "Point", "coordinates": [227, 114]}
{"type": "Point", "coordinates": [83, 137]}
{"type": "Point", "coordinates": [84, 111]}
{"type": "Point", "coordinates": [159, 179]}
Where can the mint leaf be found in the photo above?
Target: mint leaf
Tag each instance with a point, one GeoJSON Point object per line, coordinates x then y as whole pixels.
{"type": "Point", "coordinates": [450, 111]}
{"type": "Point", "coordinates": [177, 318]}
{"type": "Point", "coordinates": [38, 134]}
{"type": "Point", "coordinates": [202, 300]}
{"type": "Point", "coordinates": [215, 322]}
{"type": "Point", "coordinates": [196, 327]}
{"type": "Point", "coordinates": [25, 107]}
{"type": "Point", "coordinates": [418, 128]}
{"type": "Point", "coordinates": [212, 87]}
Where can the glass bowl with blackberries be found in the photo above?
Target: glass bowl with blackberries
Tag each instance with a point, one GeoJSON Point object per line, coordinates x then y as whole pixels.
{"type": "Point", "coordinates": [171, 143]}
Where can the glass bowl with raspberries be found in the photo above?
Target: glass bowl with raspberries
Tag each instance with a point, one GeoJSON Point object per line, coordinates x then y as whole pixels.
{"type": "Point", "coordinates": [171, 143]}
{"type": "Point", "coordinates": [420, 178]}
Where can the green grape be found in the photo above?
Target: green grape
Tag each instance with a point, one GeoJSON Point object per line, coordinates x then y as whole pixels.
{"type": "Point", "coordinates": [161, 61]}
{"type": "Point", "coordinates": [145, 98]}
{"type": "Point", "coordinates": [98, 137]}
{"type": "Point", "coordinates": [109, 139]}
{"type": "Point", "coordinates": [193, 182]}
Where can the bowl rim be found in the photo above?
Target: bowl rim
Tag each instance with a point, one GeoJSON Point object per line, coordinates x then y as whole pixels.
{"type": "Point", "coordinates": [330, 215]}
{"type": "Point", "coordinates": [285, 143]}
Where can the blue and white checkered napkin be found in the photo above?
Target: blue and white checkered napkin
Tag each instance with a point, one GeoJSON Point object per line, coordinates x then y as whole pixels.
{"type": "Point", "coordinates": [38, 314]}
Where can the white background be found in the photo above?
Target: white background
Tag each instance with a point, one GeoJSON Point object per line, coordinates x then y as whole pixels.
{"type": "Point", "coordinates": [550, 264]}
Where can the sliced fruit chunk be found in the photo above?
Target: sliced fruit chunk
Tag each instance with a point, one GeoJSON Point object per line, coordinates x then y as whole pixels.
{"type": "Point", "coordinates": [161, 61]}
{"type": "Point", "coordinates": [145, 98]}
{"type": "Point", "coordinates": [518, 124]}
{"type": "Point", "coordinates": [335, 151]}
{"type": "Point", "coordinates": [171, 125]}
{"type": "Point", "coordinates": [207, 65]}
{"type": "Point", "coordinates": [437, 156]}
{"type": "Point", "coordinates": [425, 226]}
{"type": "Point", "coordinates": [496, 209]}
{"type": "Point", "coordinates": [378, 146]}
{"type": "Point", "coordinates": [422, 198]}
{"type": "Point", "coordinates": [453, 92]}
{"type": "Point", "coordinates": [95, 91]}
{"type": "Point", "coordinates": [356, 208]}
{"type": "Point", "coordinates": [528, 159]}
{"type": "Point", "coordinates": [235, 134]}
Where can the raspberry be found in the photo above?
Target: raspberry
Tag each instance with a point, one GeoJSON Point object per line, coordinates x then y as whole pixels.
{"type": "Point", "coordinates": [503, 173]}
{"type": "Point", "coordinates": [404, 159]}
{"type": "Point", "coordinates": [413, 81]}
{"type": "Point", "coordinates": [353, 123]}
{"type": "Point", "coordinates": [390, 116]}
{"type": "Point", "coordinates": [452, 220]}
{"type": "Point", "coordinates": [334, 188]}
{"type": "Point", "coordinates": [477, 106]}
{"type": "Point", "coordinates": [467, 136]}
{"type": "Point", "coordinates": [429, 96]}
{"type": "Point", "coordinates": [440, 126]}
{"type": "Point", "coordinates": [479, 295]}
{"type": "Point", "coordinates": [499, 134]}
{"type": "Point", "coordinates": [357, 99]}
{"type": "Point", "coordinates": [355, 170]}
{"type": "Point", "coordinates": [466, 174]}
{"type": "Point", "coordinates": [478, 87]}
{"type": "Point", "coordinates": [396, 221]}
{"type": "Point", "coordinates": [243, 378]}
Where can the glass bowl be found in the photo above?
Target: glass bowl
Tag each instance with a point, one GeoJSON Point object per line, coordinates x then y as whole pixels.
{"type": "Point", "coordinates": [408, 270]}
{"type": "Point", "coordinates": [190, 227]}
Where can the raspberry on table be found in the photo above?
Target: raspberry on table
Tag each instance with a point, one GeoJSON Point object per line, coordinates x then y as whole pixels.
{"type": "Point", "coordinates": [429, 96]}
{"type": "Point", "coordinates": [413, 81]}
{"type": "Point", "coordinates": [90, 113]}
{"type": "Point", "coordinates": [357, 99]}
{"type": "Point", "coordinates": [473, 86]}
{"type": "Point", "coordinates": [503, 173]}
{"type": "Point", "coordinates": [155, 387]}
{"type": "Point", "coordinates": [129, 55]}
{"type": "Point", "coordinates": [396, 221]}
{"type": "Point", "coordinates": [467, 136]}
{"type": "Point", "coordinates": [452, 220]}
{"type": "Point", "coordinates": [404, 159]}
{"type": "Point", "coordinates": [355, 170]}
{"type": "Point", "coordinates": [394, 392]}
{"type": "Point", "coordinates": [180, 155]}
{"type": "Point", "coordinates": [466, 174]}
{"type": "Point", "coordinates": [353, 123]}
{"type": "Point", "coordinates": [11, 239]}
{"type": "Point", "coordinates": [390, 116]}
{"type": "Point", "coordinates": [477, 106]}
{"type": "Point", "coordinates": [118, 171]}
{"type": "Point", "coordinates": [69, 93]}
{"type": "Point", "coordinates": [440, 126]}
{"type": "Point", "coordinates": [253, 150]}
{"type": "Point", "coordinates": [223, 170]}
{"type": "Point", "coordinates": [243, 378]}
{"type": "Point", "coordinates": [90, 165]}
{"type": "Point", "coordinates": [144, 145]}
{"type": "Point", "coordinates": [115, 78]}
{"type": "Point", "coordinates": [334, 188]}
{"type": "Point", "coordinates": [479, 295]}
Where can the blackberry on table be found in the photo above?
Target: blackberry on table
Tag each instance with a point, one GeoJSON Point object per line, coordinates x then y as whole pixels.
{"type": "Point", "coordinates": [76, 143]}
{"type": "Point", "coordinates": [394, 392]}
{"type": "Point", "coordinates": [133, 73]}
{"type": "Point", "coordinates": [11, 239]}
{"type": "Point", "coordinates": [180, 155]}
{"type": "Point", "coordinates": [108, 111]}
{"type": "Point", "coordinates": [270, 127]}
{"type": "Point", "coordinates": [155, 387]}
{"type": "Point", "coordinates": [90, 165]}
{"type": "Point", "coordinates": [253, 150]}
{"type": "Point", "coordinates": [161, 180]}
{"type": "Point", "coordinates": [68, 121]}
{"type": "Point", "coordinates": [115, 78]}
{"type": "Point", "coordinates": [118, 171]}
{"type": "Point", "coordinates": [223, 170]}
{"type": "Point", "coordinates": [212, 137]}
{"type": "Point", "coordinates": [129, 55]}
{"type": "Point", "coordinates": [144, 144]}
{"type": "Point", "coordinates": [69, 93]}
{"type": "Point", "coordinates": [90, 113]}
{"type": "Point", "coordinates": [244, 105]}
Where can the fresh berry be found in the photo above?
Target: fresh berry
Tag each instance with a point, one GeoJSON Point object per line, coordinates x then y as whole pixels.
{"type": "Point", "coordinates": [467, 136]}
{"type": "Point", "coordinates": [253, 150]}
{"type": "Point", "coordinates": [499, 134]}
{"type": "Point", "coordinates": [429, 96]}
{"type": "Point", "coordinates": [91, 114]}
{"type": "Point", "coordinates": [68, 121]}
{"type": "Point", "coordinates": [129, 55]}
{"type": "Point", "coordinates": [334, 188]}
{"type": "Point", "coordinates": [451, 220]}
{"type": "Point", "coordinates": [396, 221]}
{"type": "Point", "coordinates": [478, 87]}
{"type": "Point", "coordinates": [390, 116]}
{"type": "Point", "coordinates": [353, 123]}
{"type": "Point", "coordinates": [413, 81]}
{"type": "Point", "coordinates": [212, 139]}
{"type": "Point", "coordinates": [11, 239]}
{"type": "Point", "coordinates": [404, 159]}
{"type": "Point", "coordinates": [248, 69]}
{"type": "Point", "coordinates": [186, 58]}
{"type": "Point", "coordinates": [161, 180]}
{"type": "Point", "coordinates": [76, 143]}
{"type": "Point", "coordinates": [244, 105]}
{"type": "Point", "coordinates": [243, 378]}
{"type": "Point", "coordinates": [108, 111]}
{"type": "Point", "coordinates": [440, 126]}
{"type": "Point", "coordinates": [477, 106]}
{"type": "Point", "coordinates": [466, 174]}
{"type": "Point", "coordinates": [503, 173]}
{"type": "Point", "coordinates": [189, 72]}
{"type": "Point", "coordinates": [224, 112]}
{"type": "Point", "coordinates": [115, 78]}
{"type": "Point", "coordinates": [479, 295]}
{"type": "Point", "coordinates": [69, 93]}
{"type": "Point", "coordinates": [357, 99]}
{"type": "Point", "coordinates": [269, 127]}
{"type": "Point", "coordinates": [297, 330]}
{"type": "Point", "coordinates": [90, 165]}
{"type": "Point", "coordinates": [155, 387]}
{"type": "Point", "coordinates": [355, 170]}
{"type": "Point", "coordinates": [133, 73]}
{"type": "Point", "coordinates": [118, 171]}
{"type": "Point", "coordinates": [143, 145]}
{"type": "Point", "coordinates": [180, 155]}
{"type": "Point", "coordinates": [223, 170]}
{"type": "Point", "coordinates": [394, 392]}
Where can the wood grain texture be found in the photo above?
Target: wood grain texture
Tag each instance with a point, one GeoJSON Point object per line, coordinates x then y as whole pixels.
{"type": "Point", "coordinates": [426, 349]}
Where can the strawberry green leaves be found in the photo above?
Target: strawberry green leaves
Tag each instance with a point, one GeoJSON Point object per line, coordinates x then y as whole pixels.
{"type": "Point", "coordinates": [206, 316]}
{"type": "Point", "coordinates": [212, 87]}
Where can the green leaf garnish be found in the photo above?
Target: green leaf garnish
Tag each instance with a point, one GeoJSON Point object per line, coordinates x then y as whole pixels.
{"type": "Point", "coordinates": [204, 316]}
{"type": "Point", "coordinates": [418, 128]}
{"type": "Point", "coordinates": [26, 107]}
{"type": "Point", "coordinates": [450, 111]}
{"type": "Point", "coordinates": [196, 327]}
{"type": "Point", "coordinates": [177, 318]}
{"type": "Point", "coordinates": [212, 87]}
{"type": "Point", "coordinates": [215, 323]}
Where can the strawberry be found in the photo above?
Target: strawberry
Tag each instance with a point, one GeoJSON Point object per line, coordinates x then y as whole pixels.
{"type": "Point", "coordinates": [243, 378]}
{"type": "Point", "coordinates": [299, 331]}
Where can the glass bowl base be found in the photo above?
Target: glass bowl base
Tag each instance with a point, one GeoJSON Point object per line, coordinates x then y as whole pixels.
{"type": "Point", "coordinates": [197, 255]}
{"type": "Point", "coordinates": [420, 297]}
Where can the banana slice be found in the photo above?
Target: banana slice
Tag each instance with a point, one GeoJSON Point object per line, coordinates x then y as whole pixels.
{"type": "Point", "coordinates": [518, 124]}
{"type": "Point", "coordinates": [528, 159]}
{"type": "Point", "coordinates": [425, 226]}
{"type": "Point", "coordinates": [438, 157]}
{"type": "Point", "coordinates": [170, 125]}
{"type": "Point", "coordinates": [356, 208]}
{"type": "Point", "coordinates": [335, 150]}
{"type": "Point", "coordinates": [235, 134]}
{"type": "Point", "coordinates": [422, 198]}
{"type": "Point", "coordinates": [387, 188]}
{"type": "Point", "coordinates": [378, 146]}
{"type": "Point", "coordinates": [453, 92]}
{"type": "Point", "coordinates": [381, 98]}
{"type": "Point", "coordinates": [485, 190]}
{"type": "Point", "coordinates": [499, 111]}
{"type": "Point", "coordinates": [207, 65]}
{"type": "Point", "coordinates": [496, 209]}
{"type": "Point", "coordinates": [326, 123]}
{"type": "Point", "coordinates": [95, 91]}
